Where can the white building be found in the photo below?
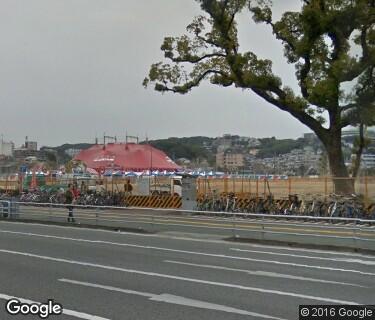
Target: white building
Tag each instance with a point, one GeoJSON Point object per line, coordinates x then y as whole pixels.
{"type": "Point", "coordinates": [368, 160]}
{"type": "Point", "coordinates": [31, 145]}
{"type": "Point", "coordinates": [72, 152]}
{"type": "Point", "coordinates": [6, 148]}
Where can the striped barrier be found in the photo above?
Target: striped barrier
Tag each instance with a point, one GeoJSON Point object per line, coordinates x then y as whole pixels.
{"type": "Point", "coordinates": [166, 202]}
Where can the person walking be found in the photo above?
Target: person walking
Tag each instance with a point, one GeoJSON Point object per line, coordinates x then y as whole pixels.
{"type": "Point", "coordinates": [128, 189]}
{"type": "Point", "coordinates": [76, 193]}
{"type": "Point", "coordinates": [69, 199]}
{"type": "Point", "coordinates": [83, 188]}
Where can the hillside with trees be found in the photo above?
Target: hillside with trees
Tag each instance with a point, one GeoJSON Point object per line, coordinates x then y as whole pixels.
{"type": "Point", "coordinates": [191, 148]}
{"type": "Point", "coordinates": [271, 146]}
{"type": "Point", "coordinates": [59, 155]}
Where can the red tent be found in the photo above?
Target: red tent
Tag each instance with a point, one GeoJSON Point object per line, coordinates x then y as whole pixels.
{"type": "Point", "coordinates": [128, 157]}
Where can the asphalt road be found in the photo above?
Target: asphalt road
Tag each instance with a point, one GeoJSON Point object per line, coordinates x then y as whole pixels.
{"type": "Point", "coordinates": [100, 275]}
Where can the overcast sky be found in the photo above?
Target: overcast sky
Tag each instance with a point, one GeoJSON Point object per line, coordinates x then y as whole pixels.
{"type": "Point", "coordinates": [73, 69]}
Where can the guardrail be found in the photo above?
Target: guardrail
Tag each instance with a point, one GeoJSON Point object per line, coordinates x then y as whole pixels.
{"type": "Point", "coordinates": [343, 232]}
{"type": "Point", "coordinates": [8, 209]}
{"type": "Point", "coordinates": [4, 208]}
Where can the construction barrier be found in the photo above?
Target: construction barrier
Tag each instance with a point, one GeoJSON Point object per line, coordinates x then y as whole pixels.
{"type": "Point", "coordinates": [9, 185]}
{"type": "Point", "coordinates": [165, 201]}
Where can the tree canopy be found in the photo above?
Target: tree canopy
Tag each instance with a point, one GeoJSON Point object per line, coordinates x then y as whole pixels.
{"type": "Point", "coordinates": [190, 148]}
{"type": "Point", "coordinates": [271, 147]}
{"type": "Point", "coordinates": [330, 43]}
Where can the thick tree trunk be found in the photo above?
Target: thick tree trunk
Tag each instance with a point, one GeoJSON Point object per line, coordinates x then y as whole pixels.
{"type": "Point", "coordinates": [342, 182]}
{"type": "Point", "coordinates": [358, 153]}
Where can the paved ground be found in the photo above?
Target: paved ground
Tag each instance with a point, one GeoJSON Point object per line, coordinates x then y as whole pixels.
{"type": "Point", "coordinates": [110, 275]}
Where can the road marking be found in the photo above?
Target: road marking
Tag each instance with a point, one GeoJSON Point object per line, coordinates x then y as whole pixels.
{"type": "Point", "coordinates": [161, 275]}
{"type": "Point", "coordinates": [172, 299]}
{"type": "Point", "coordinates": [351, 254]}
{"type": "Point", "coordinates": [68, 312]}
{"type": "Point", "coordinates": [184, 238]}
{"type": "Point", "coordinates": [358, 261]}
{"type": "Point", "coordinates": [190, 252]}
{"type": "Point", "coordinates": [264, 273]}
{"type": "Point", "coordinates": [368, 263]}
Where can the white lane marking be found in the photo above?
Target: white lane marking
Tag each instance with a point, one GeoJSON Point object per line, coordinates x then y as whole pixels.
{"type": "Point", "coordinates": [68, 312]}
{"type": "Point", "coordinates": [161, 275]}
{"type": "Point", "coordinates": [172, 299]}
{"type": "Point", "coordinates": [166, 236]}
{"type": "Point", "coordinates": [345, 260]}
{"type": "Point", "coordinates": [191, 252]}
{"type": "Point", "coordinates": [350, 254]}
{"type": "Point", "coordinates": [365, 262]}
{"type": "Point", "coordinates": [94, 285]}
{"type": "Point", "coordinates": [264, 273]}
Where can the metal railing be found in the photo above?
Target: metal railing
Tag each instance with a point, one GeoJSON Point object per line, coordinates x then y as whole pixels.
{"type": "Point", "coordinates": [4, 208]}
{"type": "Point", "coordinates": [8, 209]}
{"type": "Point", "coordinates": [344, 232]}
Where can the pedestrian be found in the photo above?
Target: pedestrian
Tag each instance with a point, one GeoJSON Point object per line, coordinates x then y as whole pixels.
{"type": "Point", "coordinates": [76, 193]}
{"type": "Point", "coordinates": [83, 188]}
{"type": "Point", "coordinates": [128, 188]}
{"type": "Point", "coordinates": [103, 190]}
{"type": "Point", "coordinates": [69, 199]}
{"type": "Point", "coordinates": [97, 187]}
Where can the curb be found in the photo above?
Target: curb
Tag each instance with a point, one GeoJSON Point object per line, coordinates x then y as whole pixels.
{"type": "Point", "coordinates": [79, 225]}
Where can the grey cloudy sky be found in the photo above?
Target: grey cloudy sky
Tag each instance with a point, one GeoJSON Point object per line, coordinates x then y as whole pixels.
{"type": "Point", "coordinates": [73, 69]}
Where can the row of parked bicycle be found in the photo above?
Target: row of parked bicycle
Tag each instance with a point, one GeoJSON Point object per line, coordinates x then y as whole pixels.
{"type": "Point", "coordinates": [90, 198]}
{"type": "Point", "coordinates": [320, 206]}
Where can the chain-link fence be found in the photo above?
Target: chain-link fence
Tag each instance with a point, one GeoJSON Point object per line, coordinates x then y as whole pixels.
{"type": "Point", "coordinates": [111, 184]}
{"type": "Point", "coordinates": [282, 188]}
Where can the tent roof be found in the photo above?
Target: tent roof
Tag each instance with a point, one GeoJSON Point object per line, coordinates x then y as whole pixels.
{"type": "Point", "coordinates": [130, 157]}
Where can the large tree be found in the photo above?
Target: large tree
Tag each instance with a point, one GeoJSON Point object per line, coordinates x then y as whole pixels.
{"type": "Point", "coordinates": [330, 43]}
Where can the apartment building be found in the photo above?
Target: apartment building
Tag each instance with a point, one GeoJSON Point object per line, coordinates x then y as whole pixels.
{"type": "Point", "coordinates": [6, 148]}
{"type": "Point", "coordinates": [230, 160]}
{"type": "Point", "coordinates": [368, 160]}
